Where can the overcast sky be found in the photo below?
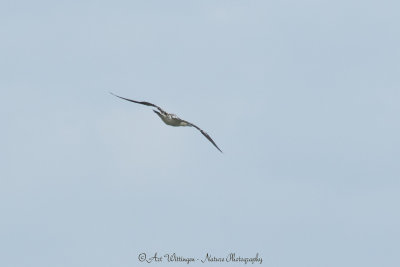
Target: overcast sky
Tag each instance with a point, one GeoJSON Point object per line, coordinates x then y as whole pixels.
{"type": "Point", "coordinates": [302, 97]}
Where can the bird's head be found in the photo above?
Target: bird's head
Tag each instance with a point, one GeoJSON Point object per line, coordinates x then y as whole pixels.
{"type": "Point", "coordinates": [158, 113]}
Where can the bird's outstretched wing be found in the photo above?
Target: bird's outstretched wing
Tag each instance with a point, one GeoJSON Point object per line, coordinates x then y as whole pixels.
{"type": "Point", "coordinates": [204, 133]}
{"type": "Point", "coordinates": [141, 102]}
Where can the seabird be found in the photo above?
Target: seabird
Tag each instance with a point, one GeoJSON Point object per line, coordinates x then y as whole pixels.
{"type": "Point", "coordinates": [170, 119]}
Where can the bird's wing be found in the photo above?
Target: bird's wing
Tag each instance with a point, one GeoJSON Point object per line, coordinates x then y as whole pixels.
{"type": "Point", "coordinates": [141, 102]}
{"type": "Point", "coordinates": [204, 133]}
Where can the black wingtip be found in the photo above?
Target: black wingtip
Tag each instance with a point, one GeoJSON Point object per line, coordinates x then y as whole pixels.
{"type": "Point", "coordinates": [117, 95]}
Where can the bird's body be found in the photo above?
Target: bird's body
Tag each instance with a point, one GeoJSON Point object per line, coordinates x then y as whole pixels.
{"type": "Point", "coordinates": [171, 119]}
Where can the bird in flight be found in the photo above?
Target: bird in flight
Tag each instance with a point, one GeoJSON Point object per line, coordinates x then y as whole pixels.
{"type": "Point", "coordinates": [170, 119]}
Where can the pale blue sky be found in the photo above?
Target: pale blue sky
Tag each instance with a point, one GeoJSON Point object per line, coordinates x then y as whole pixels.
{"type": "Point", "coordinates": [302, 97]}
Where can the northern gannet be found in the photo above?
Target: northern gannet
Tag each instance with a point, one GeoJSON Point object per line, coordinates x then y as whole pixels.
{"type": "Point", "coordinates": [170, 119]}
